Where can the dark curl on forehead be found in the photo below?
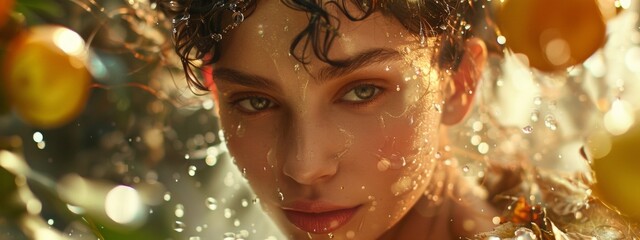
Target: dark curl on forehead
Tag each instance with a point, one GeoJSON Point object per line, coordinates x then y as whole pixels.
{"type": "Point", "coordinates": [198, 25]}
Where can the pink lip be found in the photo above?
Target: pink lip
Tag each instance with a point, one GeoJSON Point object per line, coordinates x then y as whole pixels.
{"type": "Point", "coordinates": [318, 217]}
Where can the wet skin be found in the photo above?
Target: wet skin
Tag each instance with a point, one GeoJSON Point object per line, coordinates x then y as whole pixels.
{"type": "Point", "coordinates": [335, 152]}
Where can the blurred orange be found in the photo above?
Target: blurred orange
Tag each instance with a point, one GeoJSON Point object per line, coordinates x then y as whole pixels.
{"type": "Point", "coordinates": [618, 174]}
{"type": "Point", "coordinates": [46, 78]}
{"type": "Point", "coordinates": [5, 9]}
{"type": "Point", "coordinates": [553, 34]}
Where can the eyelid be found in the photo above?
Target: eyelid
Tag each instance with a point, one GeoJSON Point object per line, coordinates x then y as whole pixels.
{"type": "Point", "coordinates": [236, 98]}
{"type": "Point", "coordinates": [365, 82]}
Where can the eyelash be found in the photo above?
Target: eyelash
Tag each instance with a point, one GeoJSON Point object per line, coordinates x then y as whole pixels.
{"type": "Point", "coordinates": [246, 99]}
{"type": "Point", "coordinates": [238, 104]}
{"type": "Point", "coordinates": [378, 91]}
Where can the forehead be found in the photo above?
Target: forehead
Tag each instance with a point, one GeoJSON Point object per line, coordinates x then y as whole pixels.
{"type": "Point", "coordinates": [265, 37]}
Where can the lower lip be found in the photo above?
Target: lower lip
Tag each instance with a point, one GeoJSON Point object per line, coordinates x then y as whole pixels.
{"type": "Point", "coordinates": [323, 222]}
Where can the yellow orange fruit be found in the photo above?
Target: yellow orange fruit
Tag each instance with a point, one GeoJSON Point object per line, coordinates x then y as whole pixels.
{"type": "Point", "coordinates": [46, 80]}
{"type": "Point", "coordinates": [553, 34]}
{"type": "Point", "coordinates": [6, 6]}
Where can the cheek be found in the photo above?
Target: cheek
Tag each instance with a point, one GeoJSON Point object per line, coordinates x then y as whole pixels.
{"type": "Point", "coordinates": [250, 146]}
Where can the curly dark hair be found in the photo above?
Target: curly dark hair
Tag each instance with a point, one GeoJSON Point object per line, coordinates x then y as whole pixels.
{"type": "Point", "coordinates": [198, 24]}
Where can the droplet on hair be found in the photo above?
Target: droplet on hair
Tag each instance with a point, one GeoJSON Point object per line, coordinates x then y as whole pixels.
{"type": "Point", "coordinates": [216, 37]}
{"type": "Point", "coordinates": [238, 17]}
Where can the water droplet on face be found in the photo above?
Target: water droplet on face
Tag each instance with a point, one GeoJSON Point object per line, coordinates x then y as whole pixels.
{"type": "Point", "coordinates": [387, 68]}
{"type": "Point", "coordinates": [296, 67]}
{"type": "Point", "coordinates": [465, 169]}
{"type": "Point", "coordinates": [383, 164]}
{"type": "Point", "coordinates": [240, 130]}
{"type": "Point", "coordinates": [550, 122]}
{"type": "Point", "coordinates": [167, 196]}
{"type": "Point", "coordinates": [271, 158]}
{"type": "Point", "coordinates": [285, 28]}
{"type": "Point", "coordinates": [397, 88]}
{"type": "Point", "coordinates": [280, 195]}
{"type": "Point", "coordinates": [407, 49]}
{"type": "Point", "coordinates": [178, 226]}
{"type": "Point", "coordinates": [212, 203]}
{"type": "Point", "coordinates": [244, 202]}
{"type": "Point", "coordinates": [527, 129]}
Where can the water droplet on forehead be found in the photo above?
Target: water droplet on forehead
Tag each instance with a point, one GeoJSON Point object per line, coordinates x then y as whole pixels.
{"type": "Point", "coordinates": [527, 129]}
{"type": "Point", "coordinates": [465, 168]}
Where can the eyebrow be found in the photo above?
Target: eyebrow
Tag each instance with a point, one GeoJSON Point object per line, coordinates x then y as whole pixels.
{"type": "Point", "coordinates": [243, 79]}
{"type": "Point", "coordinates": [349, 65]}
{"type": "Point", "coordinates": [363, 59]}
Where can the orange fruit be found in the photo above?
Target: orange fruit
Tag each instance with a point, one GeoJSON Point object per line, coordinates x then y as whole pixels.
{"type": "Point", "coordinates": [6, 6]}
{"type": "Point", "coordinates": [553, 34]}
{"type": "Point", "coordinates": [46, 80]}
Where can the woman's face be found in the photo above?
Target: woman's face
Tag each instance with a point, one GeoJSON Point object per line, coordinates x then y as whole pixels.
{"type": "Point", "coordinates": [341, 152]}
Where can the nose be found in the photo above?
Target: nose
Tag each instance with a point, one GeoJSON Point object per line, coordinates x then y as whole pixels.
{"type": "Point", "coordinates": [311, 154]}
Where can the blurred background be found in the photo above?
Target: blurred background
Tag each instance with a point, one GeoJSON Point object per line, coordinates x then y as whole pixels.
{"type": "Point", "coordinates": [100, 138]}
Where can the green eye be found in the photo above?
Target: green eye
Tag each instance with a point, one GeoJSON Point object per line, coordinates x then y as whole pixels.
{"type": "Point", "coordinates": [361, 93]}
{"type": "Point", "coordinates": [255, 104]}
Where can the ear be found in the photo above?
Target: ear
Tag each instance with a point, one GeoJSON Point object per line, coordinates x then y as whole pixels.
{"type": "Point", "coordinates": [462, 87]}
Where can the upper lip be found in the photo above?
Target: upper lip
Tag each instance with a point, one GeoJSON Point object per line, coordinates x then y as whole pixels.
{"type": "Point", "coordinates": [307, 206]}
